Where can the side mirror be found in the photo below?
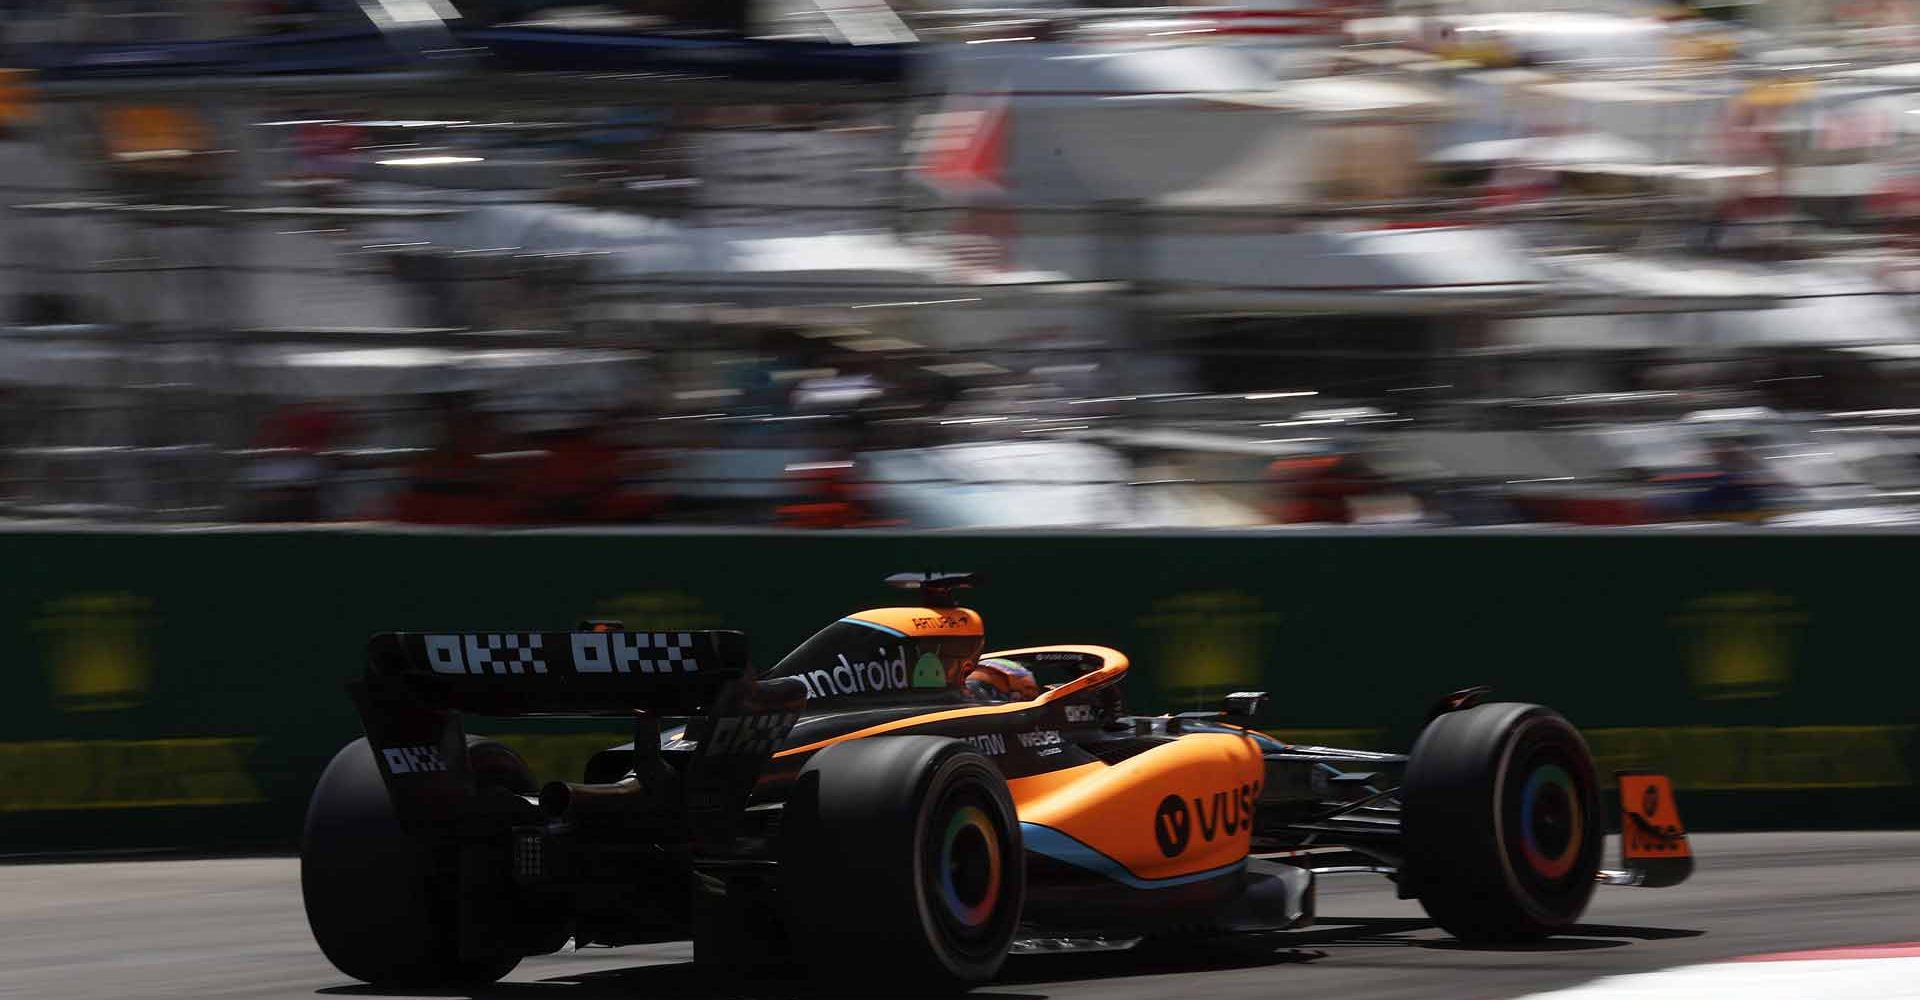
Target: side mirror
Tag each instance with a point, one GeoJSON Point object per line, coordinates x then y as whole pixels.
{"type": "Point", "coordinates": [1243, 704]}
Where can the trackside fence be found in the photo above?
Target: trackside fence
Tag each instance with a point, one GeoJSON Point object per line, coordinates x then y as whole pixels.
{"type": "Point", "coordinates": [182, 689]}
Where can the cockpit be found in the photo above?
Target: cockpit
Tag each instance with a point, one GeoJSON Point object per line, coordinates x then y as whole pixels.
{"type": "Point", "coordinates": [996, 680]}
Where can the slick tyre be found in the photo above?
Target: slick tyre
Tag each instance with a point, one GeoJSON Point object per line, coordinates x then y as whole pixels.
{"type": "Point", "coordinates": [375, 902]}
{"type": "Point", "coordinates": [1501, 823]}
{"type": "Point", "coordinates": [901, 857]}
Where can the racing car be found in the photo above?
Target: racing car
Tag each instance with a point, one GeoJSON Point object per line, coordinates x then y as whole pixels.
{"type": "Point", "coordinates": [889, 785]}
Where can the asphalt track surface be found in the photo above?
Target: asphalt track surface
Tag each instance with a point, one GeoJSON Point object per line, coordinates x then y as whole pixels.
{"type": "Point", "coordinates": [234, 928]}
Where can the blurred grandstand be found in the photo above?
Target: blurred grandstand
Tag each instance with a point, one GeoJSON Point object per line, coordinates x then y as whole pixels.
{"type": "Point", "coordinates": [845, 263]}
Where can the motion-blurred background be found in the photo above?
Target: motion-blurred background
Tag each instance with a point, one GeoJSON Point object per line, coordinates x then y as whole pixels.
{"type": "Point", "coordinates": [906, 264]}
{"type": "Point", "coordinates": [835, 263]}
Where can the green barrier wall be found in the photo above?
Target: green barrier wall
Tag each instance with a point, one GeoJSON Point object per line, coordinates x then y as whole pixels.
{"type": "Point", "coordinates": [184, 689]}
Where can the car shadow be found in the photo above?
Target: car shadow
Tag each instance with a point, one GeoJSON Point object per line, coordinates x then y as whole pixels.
{"type": "Point", "coordinates": [1554, 944]}
{"type": "Point", "coordinates": [1639, 933]}
{"type": "Point", "coordinates": [1358, 931]}
{"type": "Point", "coordinates": [679, 980]}
{"type": "Point", "coordinates": [1580, 937]}
{"type": "Point", "coordinates": [684, 981]}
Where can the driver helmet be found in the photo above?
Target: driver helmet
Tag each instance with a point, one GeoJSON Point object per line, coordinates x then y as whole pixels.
{"type": "Point", "coordinates": [1001, 680]}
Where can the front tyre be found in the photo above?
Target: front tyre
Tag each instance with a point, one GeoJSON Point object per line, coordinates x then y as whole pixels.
{"type": "Point", "coordinates": [904, 853]}
{"type": "Point", "coordinates": [1501, 823]}
{"type": "Point", "coordinates": [377, 908]}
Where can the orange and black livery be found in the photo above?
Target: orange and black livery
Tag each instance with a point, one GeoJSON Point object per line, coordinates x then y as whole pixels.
{"type": "Point", "coordinates": [893, 783]}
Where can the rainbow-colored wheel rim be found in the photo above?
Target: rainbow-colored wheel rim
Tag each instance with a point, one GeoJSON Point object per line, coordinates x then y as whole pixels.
{"type": "Point", "coordinates": [1550, 787]}
{"type": "Point", "coordinates": [970, 866]}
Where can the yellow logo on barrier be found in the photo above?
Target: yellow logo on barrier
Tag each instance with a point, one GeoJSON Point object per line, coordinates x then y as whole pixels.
{"type": "Point", "coordinates": [96, 650]}
{"type": "Point", "coordinates": [1761, 757]}
{"type": "Point", "coordinates": [1741, 645]}
{"type": "Point", "coordinates": [561, 756]}
{"type": "Point", "coordinates": [658, 609]}
{"type": "Point", "coordinates": [1211, 644]}
{"type": "Point", "coordinates": [58, 775]}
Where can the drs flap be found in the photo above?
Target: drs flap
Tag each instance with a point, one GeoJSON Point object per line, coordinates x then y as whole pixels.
{"type": "Point", "coordinates": [583, 672]}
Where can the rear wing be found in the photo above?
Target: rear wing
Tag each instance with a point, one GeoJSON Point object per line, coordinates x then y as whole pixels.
{"type": "Point", "coordinates": [586, 672]}
{"type": "Point", "coordinates": [418, 685]}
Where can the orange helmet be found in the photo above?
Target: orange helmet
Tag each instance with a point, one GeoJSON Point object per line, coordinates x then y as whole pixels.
{"type": "Point", "coordinates": [1002, 680]}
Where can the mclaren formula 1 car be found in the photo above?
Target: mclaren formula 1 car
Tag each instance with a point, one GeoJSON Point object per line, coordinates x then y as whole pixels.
{"type": "Point", "coordinates": [889, 783]}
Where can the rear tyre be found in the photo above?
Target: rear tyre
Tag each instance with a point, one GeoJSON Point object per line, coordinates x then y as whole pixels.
{"type": "Point", "coordinates": [375, 902]}
{"type": "Point", "coordinates": [1501, 823]}
{"type": "Point", "coordinates": [903, 851]}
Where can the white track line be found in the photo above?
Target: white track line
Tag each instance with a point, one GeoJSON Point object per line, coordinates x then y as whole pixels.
{"type": "Point", "coordinates": [1884, 972]}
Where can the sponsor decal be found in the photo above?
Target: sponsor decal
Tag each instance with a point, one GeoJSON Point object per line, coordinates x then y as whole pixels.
{"type": "Point", "coordinates": [1228, 811]}
{"type": "Point", "coordinates": [591, 653]}
{"type": "Point", "coordinates": [633, 652]}
{"type": "Point", "coordinates": [498, 653]}
{"type": "Point", "coordinates": [1644, 841]}
{"type": "Point", "coordinates": [929, 671]}
{"type": "Point", "coordinates": [748, 735]}
{"type": "Point", "coordinates": [991, 744]}
{"type": "Point", "coordinates": [1039, 738]}
{"type": "Point", "coordinates": [1079, 713]}
{"type": "Point", "coordinates": [942, 622]}
{"type": "Point", "coordinates": [413, 760]}
{"type": "Point", "coordinates": [886, 672]}
{"type": "Point", "coordinates": [1172, 825]}
{"type": "Point", "coordinates": [1650, 819]}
